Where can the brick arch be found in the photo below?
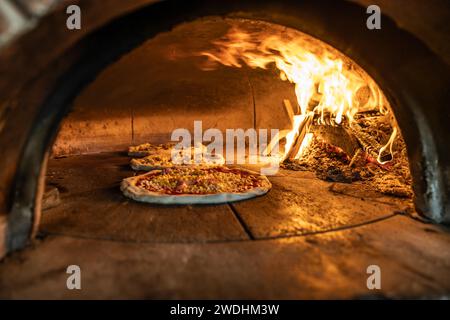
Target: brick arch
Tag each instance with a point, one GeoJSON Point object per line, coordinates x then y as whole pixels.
{"type": "Point", "coordinates": [41, 87]}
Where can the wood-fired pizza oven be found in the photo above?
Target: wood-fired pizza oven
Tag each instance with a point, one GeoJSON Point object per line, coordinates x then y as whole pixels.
{"type": "Point", "coordinates": [73, 101]}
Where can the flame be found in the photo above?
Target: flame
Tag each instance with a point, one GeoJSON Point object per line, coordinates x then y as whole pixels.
{"type": "Point", "coordinates": [390, 145]}
{"type": "Point", "coordinates": [305, 143]}
{"type": "Point", "coordinates": [326, 83]}
{"type": "Point", "coordinates": [290, 137]}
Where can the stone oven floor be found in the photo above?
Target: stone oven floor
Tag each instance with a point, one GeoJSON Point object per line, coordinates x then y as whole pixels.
{"type": "Point", "coordinates": [305, 239]}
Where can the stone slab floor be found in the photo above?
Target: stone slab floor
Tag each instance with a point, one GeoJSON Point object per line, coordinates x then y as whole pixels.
{"type": "Point", "coordinates": [306, 239]}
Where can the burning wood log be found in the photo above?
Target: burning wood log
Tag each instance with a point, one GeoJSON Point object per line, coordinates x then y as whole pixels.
{"type": "Point", "coordinates": [302, 131]}
{"type": "Point", "coordinates": [367, 142]}
{"type": "Point", "coordinates": [337, 136]}
{"type": "Point", "coordinates": [290, 109]}
{"type": "Point", "coordinates": [351, 139]}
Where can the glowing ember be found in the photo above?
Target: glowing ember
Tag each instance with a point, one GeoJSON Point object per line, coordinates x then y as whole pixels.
{"type": "Point", "coordinates": [327, 85]}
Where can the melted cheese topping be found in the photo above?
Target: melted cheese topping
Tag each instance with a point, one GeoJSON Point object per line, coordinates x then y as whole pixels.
{"type": "Point", "coordinates": [150, 148]}
{"type": "Point", "coordinates": [185, 180]}
{"type": "Point", "coordinates": [165, 159]}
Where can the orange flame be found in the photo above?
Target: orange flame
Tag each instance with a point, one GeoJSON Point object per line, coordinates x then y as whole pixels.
{"type": "Point", "coordinates": [326, 82]}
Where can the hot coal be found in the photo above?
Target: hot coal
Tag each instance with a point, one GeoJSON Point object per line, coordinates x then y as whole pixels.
{"type": "Point", "coordinates": [333, 157]}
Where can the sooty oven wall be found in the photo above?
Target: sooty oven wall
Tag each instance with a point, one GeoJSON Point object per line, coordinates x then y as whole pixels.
{"type": "Point", "coordinates": [30, 78]}
{"type": "Point", "coordinates": [160, 86]}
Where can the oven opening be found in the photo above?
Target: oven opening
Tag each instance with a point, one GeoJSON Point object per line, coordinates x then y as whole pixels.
{"type": "Point", "coordinates": [271, 149]}
{"type": "Point", "coordinates": [303, 109]}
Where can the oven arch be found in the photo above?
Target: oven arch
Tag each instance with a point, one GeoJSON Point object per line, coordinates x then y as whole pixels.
{"type": "Point", "coordinates": [419, 103]}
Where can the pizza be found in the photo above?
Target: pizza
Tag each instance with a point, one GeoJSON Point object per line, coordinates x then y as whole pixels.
{"type": "Point", "coordinates": [146, 149]}
{"type": "Point", "coordinates": [195, 184]}
{"type": "Point", "coordinates": [165, 160]}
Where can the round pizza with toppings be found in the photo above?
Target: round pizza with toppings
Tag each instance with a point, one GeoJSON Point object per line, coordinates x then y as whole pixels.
{"type": "Point", "coordinates": [195, 184]}
{"type": "Point", "coordinates": [165, 160]}
{"type": "Point", "coordinates": [146, 149]}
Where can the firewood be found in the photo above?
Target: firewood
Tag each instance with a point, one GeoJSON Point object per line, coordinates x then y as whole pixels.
{"type": "Point", "coordinates": [303, 129]}
{"type": "Point", "coordinates": [358, 159]}
{"type": "Point", "coordinates": [337, 136]}
{"type": "Point", "coordinates": [368, 143]}
{"type": "Point", "coordinates": [290, 110]}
